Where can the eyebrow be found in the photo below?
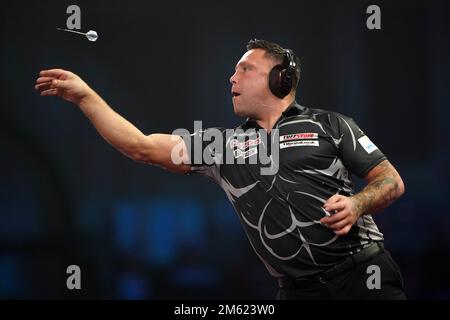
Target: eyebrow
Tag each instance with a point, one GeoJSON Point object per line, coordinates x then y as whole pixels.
{"type": "Point", "coordinates": [245, 64]}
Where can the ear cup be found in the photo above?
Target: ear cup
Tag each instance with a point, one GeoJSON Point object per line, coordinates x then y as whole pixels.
{"type": "Point", "coordinates": [280, 81]}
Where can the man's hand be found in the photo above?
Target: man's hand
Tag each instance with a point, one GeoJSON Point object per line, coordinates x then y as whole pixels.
{"type": "Point", "coordinates": [384, 186]}
{"type": "Point", "coordinates": [345, 215]}
{"type": "Point", "coordinates": [154, 149]}
{"type": "Point", "coordinates": [62, 83]}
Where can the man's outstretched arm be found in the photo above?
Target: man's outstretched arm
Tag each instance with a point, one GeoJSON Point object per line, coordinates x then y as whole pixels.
{"type": "Point", "coordinates": [153, 149]}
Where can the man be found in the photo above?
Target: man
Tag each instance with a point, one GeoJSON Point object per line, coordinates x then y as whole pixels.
{"type": "Point", "coordinates": [304, 221]}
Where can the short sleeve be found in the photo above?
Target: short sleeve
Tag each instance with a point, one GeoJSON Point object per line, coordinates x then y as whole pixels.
{"type": "Point", "coordinates": [358, 153]}
{"type": "Point", "coordinates": [205, 149]}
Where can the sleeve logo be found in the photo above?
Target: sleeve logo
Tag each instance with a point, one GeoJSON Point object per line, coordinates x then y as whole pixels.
{"type": "Point", "coordinates": [368, 145]}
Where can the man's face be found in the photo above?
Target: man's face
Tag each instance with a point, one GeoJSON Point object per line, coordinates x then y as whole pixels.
{"type": "Point", "coordinates": [250, 83]}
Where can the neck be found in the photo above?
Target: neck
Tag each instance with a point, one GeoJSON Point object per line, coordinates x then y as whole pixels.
{"type": "Point", "coordinates": [268, 120]}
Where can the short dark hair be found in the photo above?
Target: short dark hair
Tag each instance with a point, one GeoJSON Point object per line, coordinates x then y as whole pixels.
{"type": "Point", "coordinates": [276, 52]}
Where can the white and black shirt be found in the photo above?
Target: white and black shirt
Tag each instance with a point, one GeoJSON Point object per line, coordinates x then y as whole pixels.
{"type": "Point", "coordinates": [319, 151]}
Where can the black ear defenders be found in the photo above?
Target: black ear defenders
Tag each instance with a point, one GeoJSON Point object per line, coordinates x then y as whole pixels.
{"type": "Point", "coordinates": [281, 76]}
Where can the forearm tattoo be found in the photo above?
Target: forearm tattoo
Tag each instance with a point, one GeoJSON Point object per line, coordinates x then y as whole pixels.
{"type": "Point", "coordinates": [378, 194]}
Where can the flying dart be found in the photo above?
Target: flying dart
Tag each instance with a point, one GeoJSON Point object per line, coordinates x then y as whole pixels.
{"type": "Point", "coordinates": [91, 35]}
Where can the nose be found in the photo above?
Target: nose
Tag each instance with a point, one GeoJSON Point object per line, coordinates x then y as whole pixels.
{"type": "Point", "coordinates": [233, 78]}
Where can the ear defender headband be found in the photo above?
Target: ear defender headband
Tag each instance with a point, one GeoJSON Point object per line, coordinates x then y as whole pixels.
{"type": "Point", "coordinates": [281, 75]}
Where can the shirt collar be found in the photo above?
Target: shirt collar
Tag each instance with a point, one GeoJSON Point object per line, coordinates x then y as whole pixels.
{"type": "Point", "coordinates": [293, 109]}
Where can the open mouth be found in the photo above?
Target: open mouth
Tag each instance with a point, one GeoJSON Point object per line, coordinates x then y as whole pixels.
{"type": "Point", "coordinates": [235, 94]}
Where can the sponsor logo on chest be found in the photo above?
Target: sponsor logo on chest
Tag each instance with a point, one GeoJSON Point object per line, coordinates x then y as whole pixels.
{"type": "Point", "coordinates": [246, 148]}
{"type": "Point", "coordinates": [242, 145]}
{"type": "Point", "coordinates": [301, 139]}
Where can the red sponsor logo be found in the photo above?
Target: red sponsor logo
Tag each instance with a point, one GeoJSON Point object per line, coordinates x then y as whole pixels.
{"type": "Point", "coordinates": [299, 136]}
{"type": "Point", "coordinates": [244, 144]}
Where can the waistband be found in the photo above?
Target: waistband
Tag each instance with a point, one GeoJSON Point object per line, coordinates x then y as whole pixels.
{"type": "Point", "coordinates": [351, 261]}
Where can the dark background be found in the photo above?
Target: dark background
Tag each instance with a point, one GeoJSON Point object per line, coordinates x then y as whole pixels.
{"type": "Point", "coordinates": [137, 231]}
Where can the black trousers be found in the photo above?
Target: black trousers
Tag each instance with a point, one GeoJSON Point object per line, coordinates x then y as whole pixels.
{"type": "Point", "coordinates": [356, 282]}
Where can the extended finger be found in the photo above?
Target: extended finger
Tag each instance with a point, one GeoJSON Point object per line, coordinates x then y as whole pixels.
{"type": "Point", "coordinates": [335, 206]}
{"type": "Point", "coordinates": [334, 218]}
{"type": "Point", "coordinates": [333, 199]}
{"type": "Point", "coordinates": [50, 92]}
{"type": "Point", "coordinates": [52, 73]}
{"type": "Point", "coordinates": [339, 225]}
{"type": "Point", "coordinates": [43, 86]}
{"type": "Point", "coordinates": [44, 79]}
